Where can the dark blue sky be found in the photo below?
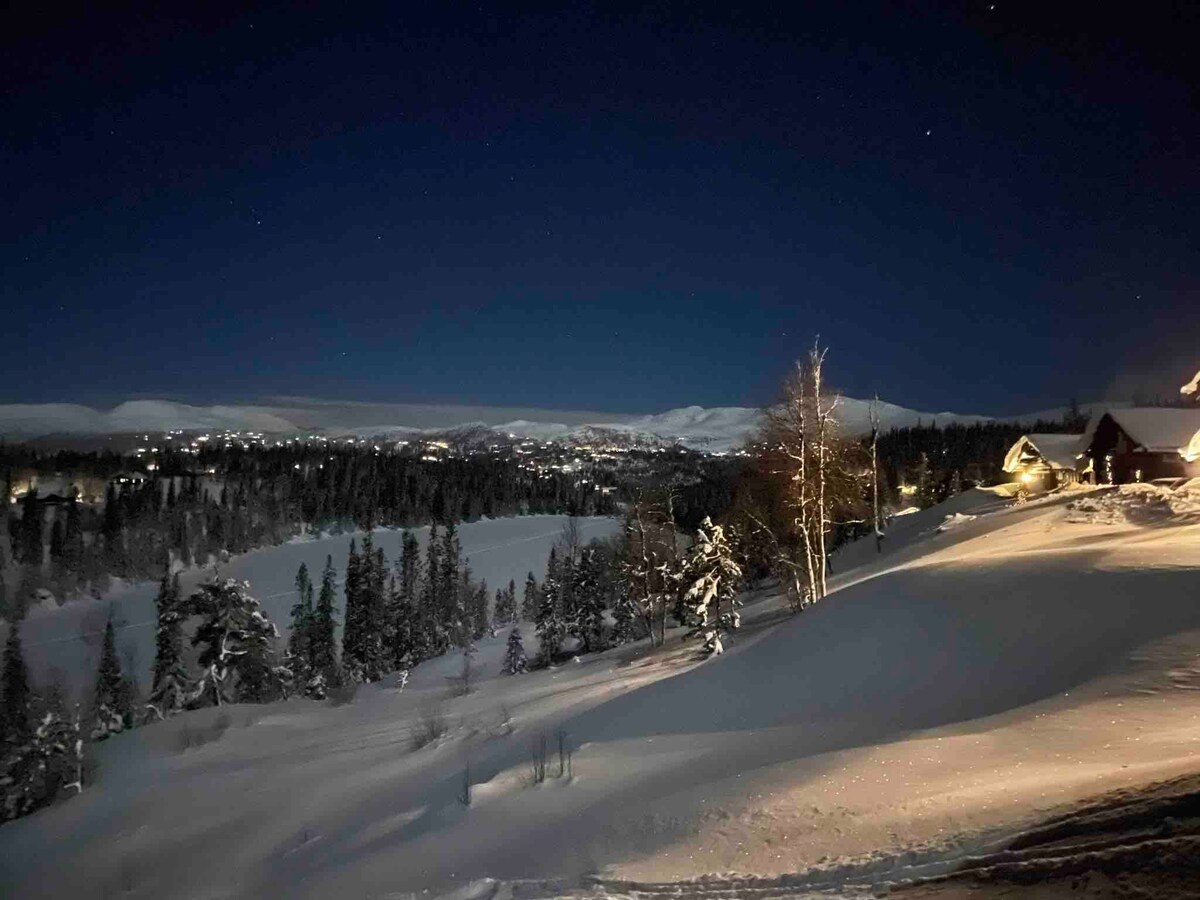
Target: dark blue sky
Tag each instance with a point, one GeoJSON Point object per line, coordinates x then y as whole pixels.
{"type": "Point", "coordinates": [984, 210]}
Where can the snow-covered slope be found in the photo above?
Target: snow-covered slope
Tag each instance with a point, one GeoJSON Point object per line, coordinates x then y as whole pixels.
{"type": "Point", "coordinates": [951, 688]}
{"type": "Point", "coordinates": [717, 429]}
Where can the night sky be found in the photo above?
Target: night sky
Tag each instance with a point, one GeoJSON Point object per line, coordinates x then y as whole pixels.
{"type": "Point", "coordinates": [978, 207]}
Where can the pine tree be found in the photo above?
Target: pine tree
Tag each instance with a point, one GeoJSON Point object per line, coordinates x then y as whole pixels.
{"type": "Point", "coordinates": [713, 576]}
{"type": "Point", "coordinates": [15, 726]}
{"type": "Point", "coordinates": [170, 685]}
{"type": "Point", "coordinates": [112, 700]}
{"type": "Point", "coordinates": [237, 641]}
{"type": "Point", "coordinates": [514, 657]}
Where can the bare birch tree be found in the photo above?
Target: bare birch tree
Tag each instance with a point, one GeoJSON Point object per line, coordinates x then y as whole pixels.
{"type": "Point", "coordinates": [817, 476]}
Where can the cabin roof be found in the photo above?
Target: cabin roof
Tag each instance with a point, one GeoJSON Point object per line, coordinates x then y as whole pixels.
{"type": "Point", "coordinates": [1157, 429]}
{"type": "Point", "coordinates": [1058, 450]}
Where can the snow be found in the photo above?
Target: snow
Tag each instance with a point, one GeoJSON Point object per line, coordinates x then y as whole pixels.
{"type": "Point", "coordinates": [1192, 387]}
{"type": "Point", "coordinates": [67, 638]}
{"type": "Point", "coordinates": [1060, 451]}
{"type": "Point", "coordinates": [1146, 504]}
{"type": "Point", "coordinates": [1157, 429]}
{"type": "Point", "coordinates": [950, 689]}
{"type": "Point", "coordinates": [954, 521]}
{"type": "Point", "coordinates": [718, 429]}
{"type": "Point", "coordinates": [1191, 452]}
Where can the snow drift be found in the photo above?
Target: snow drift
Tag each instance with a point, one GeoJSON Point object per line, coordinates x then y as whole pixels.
{"type": "Point", "coordinates": [955, 684]}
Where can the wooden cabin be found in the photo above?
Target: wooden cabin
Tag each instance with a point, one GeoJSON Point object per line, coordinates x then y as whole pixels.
{"type": "Point", "coordinates": [1043, 462]}
{"type": "Point", "coordinates": [1142, 444]}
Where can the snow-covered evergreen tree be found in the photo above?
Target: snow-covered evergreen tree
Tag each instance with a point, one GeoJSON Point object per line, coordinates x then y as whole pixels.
{"type": "Point", "coordinates": [549, 625]}
{"type": "Point", "coordinates": [587, 621]}
{"type": "Point", "coordinates": [480, 621]}
{"type": "Point", "coordinates": [15, 722]}
{"type": "Point", "coordinates": [433, 604]}
{"type": "Point", "coordinates": [47, 762]}
{"type": "Point", "coordinates": [237, 642]}
{"type": "Point", "coordinates": [504, 610]}
{"type": "Point", "coordinates": [514, 655]}
{"type": "Point", "coordinates": [354, 634]}
{"type": "Point", "coordinates": [404, 632]}
{"type": "Point", "coordinates": [529, 605]}
{"type": "Point", "coordinates": [170, 685]}
{"type": "Point", "coordinates": [713, 576]}
{"type": "Point", "coordinates": [322, 639]}
{"type": "Point", "coordinates": [112, 700]}
{"type": "Point", "coordinates": [299, 652]}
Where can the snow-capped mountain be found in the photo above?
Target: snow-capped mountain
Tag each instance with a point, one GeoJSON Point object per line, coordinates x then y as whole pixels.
{"type": "Point", "coordinates": [717, 429]}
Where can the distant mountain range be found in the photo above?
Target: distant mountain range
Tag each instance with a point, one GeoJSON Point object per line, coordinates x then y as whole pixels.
{"type": "Point", "coordinates": [717, 429]}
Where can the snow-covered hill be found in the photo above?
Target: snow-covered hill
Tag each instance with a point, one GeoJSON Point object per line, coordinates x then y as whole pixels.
{"type": "Point", "coordinates": [716, 429]}
{"type": "Point", "coordinates": [945, 694]}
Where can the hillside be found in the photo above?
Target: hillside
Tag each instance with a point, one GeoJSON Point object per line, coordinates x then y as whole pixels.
{"type": "Point", "coordinates": [715, 429]}
{"type": "Point", "coordinates": [986, 669]}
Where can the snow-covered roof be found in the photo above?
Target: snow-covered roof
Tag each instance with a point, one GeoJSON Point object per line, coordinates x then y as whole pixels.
{"type": "Point", "coordinates": [1192, 387]}
{"type": "Point", "coordinates": [1058, 450]}
{"type": "Point", "coordinates": [1191, 452]}
{"type": "Point", "coordinates": [1157, 429]}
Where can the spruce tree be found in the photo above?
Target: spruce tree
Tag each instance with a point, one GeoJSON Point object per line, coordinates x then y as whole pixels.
{"type": "Point", "coordinates": [548, 622]}
{"type": "Point", "coordinates": [354, 632]}
{"type": "Point", "coordinates": [15, 725]}
{"type": "Point", "coordinates": [112, 699]}
{"type": "Point", "coordinates": [237, 641]}
{"type": "Point", "coordinates": [480, 621]}
{"type": "Point", "coordinates": [587, 622]}
{"type": "Point", "coordinates": [322, 635]}
{"type": "Point", "coordinates": [529, 605]}
{"type": "Point", "coordinates": [31, 529]}
{"type": "Point", "coordinates": [300, 636]}
{"type": "Point", "coordinates": [514, 656]}
{"type": "Point", "coordinates": [407, 633]}
{"type": "Point", "coordinates": [454, 594]}
{"type": "Point", "coordinates": [713, 577]}
{"type": "Point", "coordinates": [73, 546]}
{"type": "Point", "coordinates": [437, 636]}
{"type": "Point", "coordinates": [170, 686]}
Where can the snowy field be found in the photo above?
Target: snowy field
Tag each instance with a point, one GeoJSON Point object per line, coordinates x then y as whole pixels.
{"type": "Point", "coordinates": [949, 692]}
{"type": "Point", "coordinates": [66, 639]}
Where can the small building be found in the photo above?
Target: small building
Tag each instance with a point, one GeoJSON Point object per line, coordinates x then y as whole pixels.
{"type": "Point", "coordinates": [1044, 461]}
{"type": "Point", "coordinates": [1142, 444]}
